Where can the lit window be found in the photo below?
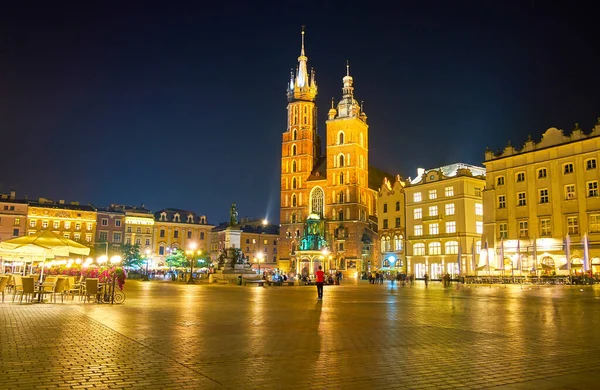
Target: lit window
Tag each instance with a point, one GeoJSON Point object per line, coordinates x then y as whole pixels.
{"type": "Point", "coordinates": [478, 209]}
{"type": "Point", "coordinates": [77, 226]}
{"type": "Point", "coordinates": [434, 229]}
{"type": "Point", "coordinates": [147, 241]}
{"type": "Point", "coordinates": [570, 191]}
{"type": "Point", "coordinates": [56, 224]}
{"type": "Point", "coordinates": [77, 236]}
{"type": "Point", "coordinates": [503, 229]}
{"type": "Point", "coordinates": [500, 181]}
{"type": "Point", "coordinates": [17, 222]}
{"type": "Point", "coordinates": [592, 188]}
{"type": "Point", "coordinates": [572, 225]}
{"type": "Point", "coordinates": [523, 229]}
{"type": "Point", "coordinates": [32, 223]}
{"type": "Point", "coordinates": [595, 223]}
{"type": "Point", "coordinates": [450, 209]}
{"type": "Point", "coordinates": [417, 197]}
{"type": "Point", "coordinates": [449, 191]}
{"type": "Point", "coordinates": [479, 227]}
{"type": "Point", "coordinates": [568, 168]}
{"type": "Point", "coordinates": [590, 164]}
{"type": "Point", "coordinates": [545, 228]}
{"type": "Point", "coordinates": [451, 248]}
{"type": "Point", "coordinates": [418, 213]}
{"type": "Point", "coordinates": [520, 176]}
{"type": "Point", "coordinates": [89, 226]}
{"type": "Point", "coordinates": [418, 230]}
{"type": "Point", "coordinates": [522, 201]}
{"type": "Point", "coordinates": [67, 225]}
{"type": "Point", "coordinates": [451, 227]}
{"type": "Point", "coordinates": [44, 224]}
{"type": "Point", "coordinates": [432, 194]}
{"type": "Point", "coordinates": [435, 248]}
{"type": "Point", "coordinates": [139, 230]}
{"type": "Point", "coordinates": [433, 211]}
{"type": "Point", "coordinates": [418, 249]}
{"type": "Point", "coordinates": [88, 237]}
{"type": "Point", "coordinates": [397, 243]}
{"type": "Point", "coordinates": [542, 173]}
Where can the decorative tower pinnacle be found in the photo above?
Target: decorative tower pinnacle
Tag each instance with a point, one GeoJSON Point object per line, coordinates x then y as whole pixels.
{"type": "Point", "coordinates": [302, 87]}
{"type": "Point", "coordinates": [348, 106]}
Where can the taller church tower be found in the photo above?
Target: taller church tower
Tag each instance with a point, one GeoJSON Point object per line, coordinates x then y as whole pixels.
{"type": "Point", "coordinates": [300, 151]}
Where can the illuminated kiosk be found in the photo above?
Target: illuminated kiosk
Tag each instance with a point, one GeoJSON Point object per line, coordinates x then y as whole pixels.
{"type": "Point", "coordinates": [313, 250]}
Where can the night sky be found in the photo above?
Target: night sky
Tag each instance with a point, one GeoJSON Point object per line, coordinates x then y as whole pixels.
{"type": "Point", "coordinates": [181, 105]}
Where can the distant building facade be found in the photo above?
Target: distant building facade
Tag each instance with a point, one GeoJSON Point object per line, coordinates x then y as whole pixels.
{"type": "Point", "coordinates": [391, 211]}
{"type": "Point", "coordinates": [74, 221]}
{"type": "Point", "coordinates": [139, 227]}
{"type": "Point", "coordinates": [444, 220]}
{"type": "Point", "coordinates": [177, 229]}
{"type": "Point", "coordinates": [13, 216]}
{"type": "Point", "coordinates": [537, 196]}
{"type": "Point", "coordinates": [110, 230]}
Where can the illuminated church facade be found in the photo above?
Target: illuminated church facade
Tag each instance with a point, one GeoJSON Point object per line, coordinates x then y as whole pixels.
{"type": "Point", "coordinates": [328, 206]}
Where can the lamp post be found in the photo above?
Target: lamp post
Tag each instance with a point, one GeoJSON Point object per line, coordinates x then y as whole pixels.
{"type": "Point", "coordinates": [146, 278]}
{"type": "Point", "coordinates": [259, 258]}
{"type": "Point", "coordinates": [191, 252]}
{"type": "Point", "coordinates": [114, 261]}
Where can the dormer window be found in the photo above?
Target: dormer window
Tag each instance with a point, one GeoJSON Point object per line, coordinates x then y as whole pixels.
{"type": "Point", "coordinates": [163, 216]}
{"type": "Point", "coordinates": [176, 218]}
{"type": "Point", "coordinates": [190, 218]}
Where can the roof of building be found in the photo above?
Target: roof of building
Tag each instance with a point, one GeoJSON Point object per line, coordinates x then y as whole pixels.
{"type": "Point", "coordinates": [451, 170]}
{"type": "Point", "coordinates": [62, 206]}
{"type": "Point", "coordinates": [256, 229]}
{"type": "Point", "coordinates": [170, 213]}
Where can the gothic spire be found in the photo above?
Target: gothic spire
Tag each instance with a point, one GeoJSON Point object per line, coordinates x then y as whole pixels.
{"type": "Point", "coordinates": [302, 87]}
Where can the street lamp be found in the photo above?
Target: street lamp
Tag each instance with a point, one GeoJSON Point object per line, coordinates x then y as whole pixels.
{"type": "Point", "coordinates": [191, 252]}
{"type": "Point", "coordinates": [147, 258]}
{"type": "Point", "coordinates": [259, 258]}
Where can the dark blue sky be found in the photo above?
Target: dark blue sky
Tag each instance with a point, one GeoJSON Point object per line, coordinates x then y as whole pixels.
{"type": "Point", "coordinates": [180, 105]}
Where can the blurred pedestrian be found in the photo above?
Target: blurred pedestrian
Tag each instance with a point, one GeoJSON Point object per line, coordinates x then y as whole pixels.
{"type": "Point", "coordinates": [319, 275]}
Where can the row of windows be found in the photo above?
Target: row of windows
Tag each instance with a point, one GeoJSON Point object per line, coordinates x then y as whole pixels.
{"type": "Point", "coordinates": [542, 173]}
{"type": "Point", "coordinates": [385, 208]}
{"type": "Point", "coordinates": [397, 223]}
{"type": "Point", "coordinates": [104, 222]}
{"type": "Point", "coordinates": [386, 243]}
{"type": "Point", "coordinates": [162, 233]}
{"type": "Point", "coordinates": [435, 248]}
{"type": "Point", "coordinates": [448, 191]}
{"type": "Point", "coordinates": [138, 230]}
{"type": "Point", "coordinates": [545, 226]}
{"type": "Point", "coordinates": [449, 208]}
{"type": "Point", "coordinates": [56, 224]}
{"type": "Point", "coordinates": [265, 241]}
{"type": "Point", "coordinates": [7, 207]}
{"type": "Point", "coordinates": [544, 197]}
{"type": "Point", "coordinates": [434, 228]}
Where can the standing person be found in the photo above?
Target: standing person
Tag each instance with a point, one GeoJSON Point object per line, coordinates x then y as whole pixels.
{"type": "Point", "coordinates": [319, 278]}
{"type": "Point", "coordinates": [426, 278]}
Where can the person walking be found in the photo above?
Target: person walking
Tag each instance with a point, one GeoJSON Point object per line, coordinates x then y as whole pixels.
{"type": "Point", "coordinates": [426, 278]}
{"type": "Point", "coordinates": [319, 279]}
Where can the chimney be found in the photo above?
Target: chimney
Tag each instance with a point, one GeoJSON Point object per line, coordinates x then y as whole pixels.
{"type": "Point", "coordinates": [13, 195]}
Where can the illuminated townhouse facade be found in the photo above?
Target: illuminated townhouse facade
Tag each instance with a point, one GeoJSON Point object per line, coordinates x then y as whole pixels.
{"type": "Point", "coordinates": [444, 220]}
{"type": "Point", "coordinates": [139, 227]}
{"type": "Point", "coordinates": [537, 196]}
{"type": "Point", "coordinates": [392, 226]}
{"type": "Point", "coordinates": [110, 230]}
{"type": "Point", "coordinates": [13, 216]}
{"type": "Point", "coordinates": [178, 229]}
{"type": "Point", "coordinates": [74, 221]}
{"type": "Point", "coordinates": [328, 202]}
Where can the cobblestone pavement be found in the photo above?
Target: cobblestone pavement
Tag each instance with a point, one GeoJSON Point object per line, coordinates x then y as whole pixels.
{"type": "Point", "coordinates": [180, 336]}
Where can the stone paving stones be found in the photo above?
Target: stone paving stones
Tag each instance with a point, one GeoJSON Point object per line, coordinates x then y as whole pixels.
{"type": "Point", "coordinates": [169, 335]}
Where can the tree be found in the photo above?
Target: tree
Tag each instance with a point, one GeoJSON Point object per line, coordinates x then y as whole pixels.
{"type": "Point", "coordinates": [131, 255]}
{"type": "Point", "coordinates": [177, 259]}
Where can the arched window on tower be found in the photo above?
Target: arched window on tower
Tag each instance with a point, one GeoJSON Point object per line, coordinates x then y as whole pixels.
{"type": "Point", "coordinates": [293, 220]}
{"type": "Point", "coordinates": [294, 135]}
{"type": "Point", "coordinates": [294, 202]}
{"type": "Point", "coordinates": [341, 138]}
{"type": "Point", "coordinates": [341, 160]}
{"type": "Point", "coordinates": [305, 115]}
{"type": "Point", "coordinates": [317, 197]}
{"type": "Point", "coordinates": [295, 115]}
{"type": "Point", "coordinates": [361, 162]}
{"type": "Point", "coordinates": [294, 183]}
{"type": "Point", "coordinates": [361, 140]}
{"type": "Point", "coordinates": [341, 197]}
{"type": "Point", "coordinates": [294, 166]}
{"type": "Point", "coordinates": [293, 150]}
{"type": "Point", "coordinates": [341, 215]}
{"type": "Point", "coordinates": [341, 178]}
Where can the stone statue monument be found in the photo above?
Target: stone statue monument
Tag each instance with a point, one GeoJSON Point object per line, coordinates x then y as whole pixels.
{"type": "Point", "coordinates": [233, 215]}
